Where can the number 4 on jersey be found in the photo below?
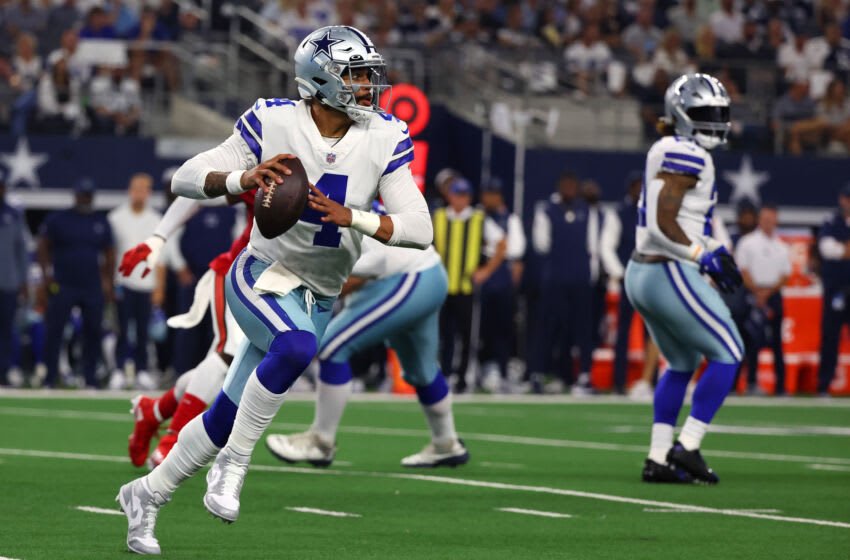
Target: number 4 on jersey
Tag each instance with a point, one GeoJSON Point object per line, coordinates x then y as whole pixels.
{"type": "Point", "coordinates": [334, 186]}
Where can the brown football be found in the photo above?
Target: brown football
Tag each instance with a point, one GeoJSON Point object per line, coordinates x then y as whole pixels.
{"type": "Point", "coordinates": [278, 207]}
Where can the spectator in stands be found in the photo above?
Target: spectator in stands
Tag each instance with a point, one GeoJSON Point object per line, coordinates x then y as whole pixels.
{"type": "Point", "coordinates": [834, 248]}
{"type": "Point", "coordinates": [24, 16]}
{"type": "Point", "coordinates": [797, 58]}
{"type": "Point", "coordinates": [512, 34]}
{"type": "Point", "coordinates": [727, 23]}
{"type": "Point", "coordinates": [77, 261]}
{"type": "Point", "coordinates": [794, 118]}
{"type": "Point", "coordinates": [685, 18]}
{"type": "Point", "coordinates": [837, 57]}
{"type": "Point", "coordinates": [670, 56]}
{"type": "Point", "coordinates": [132, 223]}
{"type": "Point", "coordinates": [295, 18]}
{"type": "Point", "coordinates": [652, 103]}
{"type": "Point", "coordinates": [753, 46]}
{"type": "Point", "coordinates": [60, 18]}
{"type": "Point", "coordinates": [97, 25]}
{"type": "Point", "coordinates": [641, 38]}
{"type": "Point", "coordinates": [26, 70]}
{"type": "Point", "coordinates": [551, 32]}
{"type": "Point", "coordinates": [765, 264]}
{"type": "Point", "coordinates": [149, 31]}
{"type": "Point", "coordinates": [705, 48]}
{"type": "Point", "coordinates": [13, 274]}
{"type": "Point", "coordinates": [115, 104]}
{"type": "Point", "coordinates": [123, 17]}
{"type": "Point", "coordinates": [79, 68]}
{"type": "Point", "coordinates": [60, 108]}
{"type": "Point", "coordinates": [170, 20]}
{"type": "Point", "coordinates": [498, 292]}
{"type": "Point", "coordinates": [561, 235]}
{"type": "Point", "coordinates": [834, 113]}
{"type": "Point", "coordinates": [587, 59]}
{"type": "Point", "coordinates": [416, 27]}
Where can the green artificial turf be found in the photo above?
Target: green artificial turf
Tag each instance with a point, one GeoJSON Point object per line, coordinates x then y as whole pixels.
{"type": "Point", "coordinates": [578, 459]}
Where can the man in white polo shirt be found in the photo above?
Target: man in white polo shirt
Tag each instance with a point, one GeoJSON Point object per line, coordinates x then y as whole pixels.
{"type": "Point", "coordinates": [765, 263]}
{"type": "Point", "coordinates": [132, 223]}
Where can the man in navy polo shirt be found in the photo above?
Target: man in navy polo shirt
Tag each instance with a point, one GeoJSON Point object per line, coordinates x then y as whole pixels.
{"type": "Point", "coordinates": [834, 246]}
{"type": "Point", "coordinates": [77, 259]}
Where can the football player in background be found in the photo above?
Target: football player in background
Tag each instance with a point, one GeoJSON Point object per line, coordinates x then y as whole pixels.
{"type": "Point", "coordinates": [195, 389]}
{"type": "Point", "coordinates": [396, 296]}
{"type": "Point", "coordinates": [281, 290]}
{"type": "Point", "coordinates": [664, 282]}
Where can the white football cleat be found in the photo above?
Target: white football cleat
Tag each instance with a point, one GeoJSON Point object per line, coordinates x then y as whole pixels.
{"type": "Point", "coordinates": [306, 446]}
{"type": "Point", "coordinates": [224, 484]}
{"type": "Point", "coordinates": [145, 381]}
{"type": "Point", "coordinates": [141, 506]}
{"type": "Point", "coordinates": [433, 455]}
{"type": "Point", "coordinates": [118, 380]}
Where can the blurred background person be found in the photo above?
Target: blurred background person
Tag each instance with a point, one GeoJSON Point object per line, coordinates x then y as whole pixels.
{"type": "Point", "coordinates": [14, 254]}
{"type": "Point", "coordinates": [503, 233]}
{"type": "Point", "coordinates": [77, 259]}
{"type": "Point", "coordinates": [132, 223]}
{"type": "Point", "coordinates": [458, 238]}
{"type": "Point", "coordinates": [834, 248]}
{"type": "Point", "coordinates": [765, 264]}
{"type": "Point", "coordinates": [59, 109]}
{"type": "Point", "coordinates": [561, 236]}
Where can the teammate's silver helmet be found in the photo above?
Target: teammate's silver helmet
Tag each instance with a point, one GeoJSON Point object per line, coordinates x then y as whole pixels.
{"type": "Point", "coordinates": [328, 55]}
{"type": "Point", "coordinates": [697, 106]}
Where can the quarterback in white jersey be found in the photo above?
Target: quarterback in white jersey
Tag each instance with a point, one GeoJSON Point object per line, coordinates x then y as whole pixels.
{"type": "Point", "coordinates": [281, 291]}
{"type": "Point", "coordinates": [664, 282]}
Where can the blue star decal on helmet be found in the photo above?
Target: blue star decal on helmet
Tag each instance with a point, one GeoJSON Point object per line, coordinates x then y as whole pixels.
{"type": "Point", "coordinates": [324, 44]}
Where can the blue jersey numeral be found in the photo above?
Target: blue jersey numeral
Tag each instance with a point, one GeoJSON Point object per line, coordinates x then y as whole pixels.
{"type": "Point", "coordinates": [334, 186]}
{"type": "Point", "coordinates": [708, 227]}
{"type": "Point", "coordinates": [641, 217]}
{"type": "Point", "coordinates": [277, 102]}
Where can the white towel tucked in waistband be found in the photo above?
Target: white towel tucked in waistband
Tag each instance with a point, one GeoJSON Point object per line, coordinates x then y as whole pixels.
{"type": "Point", "coordinates": [276, 279]}
{"type": "Point", "coordinates": [203, 296]}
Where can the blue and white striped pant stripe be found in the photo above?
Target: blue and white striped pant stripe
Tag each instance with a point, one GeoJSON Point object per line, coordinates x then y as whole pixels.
{"type": "Point", "coordinates": [688, 320]}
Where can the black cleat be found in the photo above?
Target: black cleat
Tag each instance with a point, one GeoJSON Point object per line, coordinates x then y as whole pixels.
{"type": "Point", "coordinates": [665, 474]}
{"type": "Point", "coordinates": [691, 462]}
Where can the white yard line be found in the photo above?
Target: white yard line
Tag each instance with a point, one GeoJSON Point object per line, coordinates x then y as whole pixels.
{"type": "Point", "coordinates": [104, 511]}
{"type": "Point", "coordinates": [7, 558]}
{"type": "Point", "coordinates": [536, 512]}
{"type": "Point", "coordinates": [492, 438]}
{"type": "Point", "coordinates": [323, 512]}
{"type": "Point", "coordinates": [782, 431]}
{"type": "Point", "coordinates": [688, 510]}
{"type": "Point", "coordinates": [836, 468]}
{"type": "Point", "coordinates": [477, 484]}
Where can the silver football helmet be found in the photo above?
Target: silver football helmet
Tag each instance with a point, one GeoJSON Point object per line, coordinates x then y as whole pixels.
{"type": "Point", "coordinates": [324, 65]}
{"type": "Point", "coordinates": [697, 106]}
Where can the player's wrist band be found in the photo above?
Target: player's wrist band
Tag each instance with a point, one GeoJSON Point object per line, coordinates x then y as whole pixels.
{"type": "Point", "coordinates": [366, 223]}
{"type": "Point", "coordinates": [695, 250]}
{"type": "Point", "coordinates": [234, 182]}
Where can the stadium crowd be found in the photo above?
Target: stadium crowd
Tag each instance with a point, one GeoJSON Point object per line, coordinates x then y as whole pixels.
{"type": "Point", "coordinates": [520, 316]}
{"type": "Point", "coordinates": [79, 66]}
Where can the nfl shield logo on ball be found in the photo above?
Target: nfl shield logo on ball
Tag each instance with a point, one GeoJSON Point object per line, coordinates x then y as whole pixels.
{"type": "Point", "coordinates": [331, 158]}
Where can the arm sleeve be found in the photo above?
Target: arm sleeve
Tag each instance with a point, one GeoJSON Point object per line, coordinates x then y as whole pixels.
{"type": "Point", "coordinates": [493, 234]}
{"type": "Point", "coordinates": [831, 249]}
{"type": "Point", "coordinates": [516, 238]}
{"type": "Point", "coordinates": [180, 212]}
{"type": "Point", "coordinates": [721, 234]}
{"type": "Point", "coordinates": [541, 231]}
{"type": "Point", "coordinates": [608, 243]}
{"type": "Point", "coordinates": [407, 208]}
{"type": "Point", "coordinates": [231, 155]}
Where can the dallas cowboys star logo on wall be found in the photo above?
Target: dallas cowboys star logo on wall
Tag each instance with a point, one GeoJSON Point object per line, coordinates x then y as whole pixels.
{"type": "Point", "coordinates": [324, 44]}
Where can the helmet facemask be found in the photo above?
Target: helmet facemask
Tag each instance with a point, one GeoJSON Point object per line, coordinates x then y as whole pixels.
{"type": "Point", "coordinates": [710, 125]}
{"type": "Point", "coordinates": [353, 88]}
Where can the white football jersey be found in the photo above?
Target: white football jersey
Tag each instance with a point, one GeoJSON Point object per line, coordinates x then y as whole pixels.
{"type": "Point", "coordinates": [675, 154]}
{"type": "Point", "coordinates": [351, 173]}
{"type": "Point", "coordinates": [381, 261]}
